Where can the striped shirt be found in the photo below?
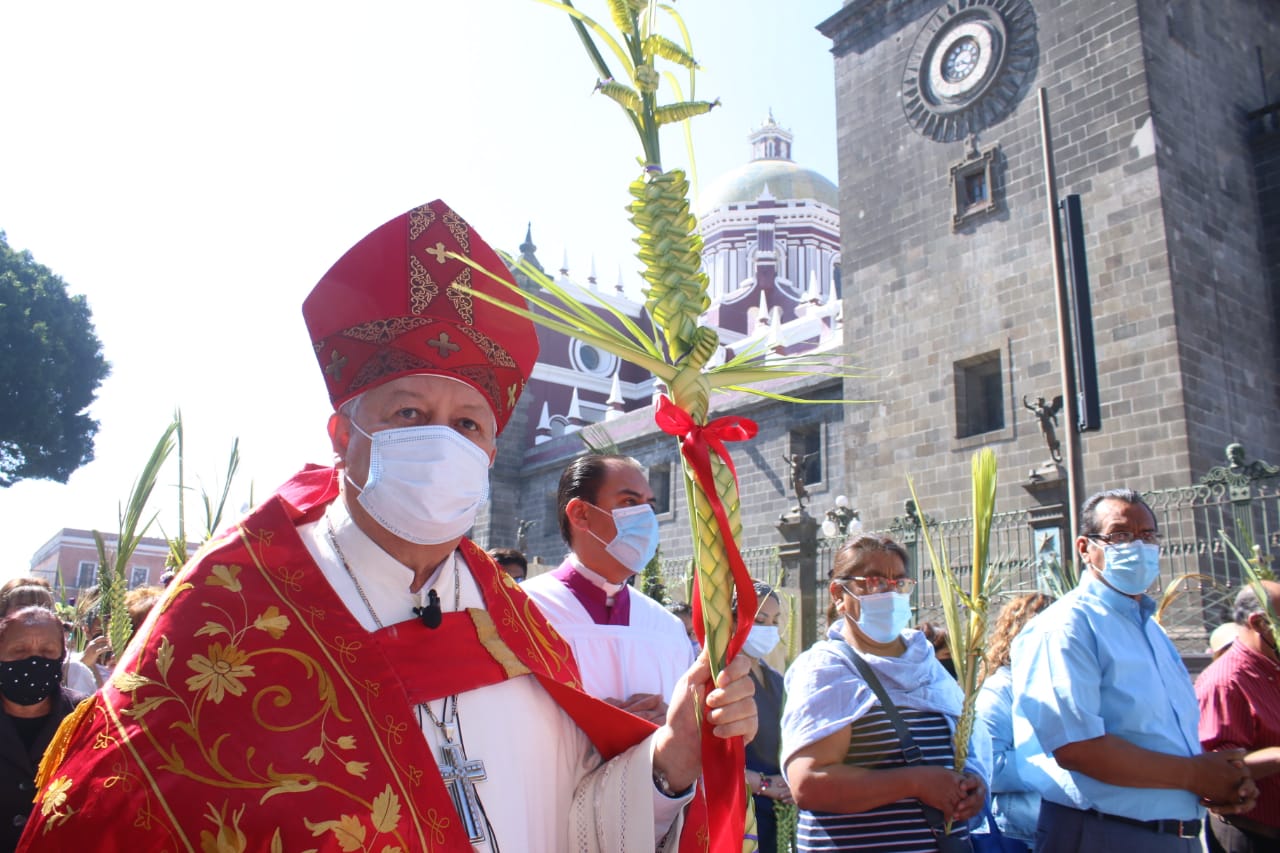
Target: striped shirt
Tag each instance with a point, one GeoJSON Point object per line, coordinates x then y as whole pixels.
{"type": "Point", "coordinates": [898, 827]}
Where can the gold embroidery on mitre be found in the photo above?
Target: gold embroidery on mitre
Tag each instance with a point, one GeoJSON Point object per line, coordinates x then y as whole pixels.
{"type": "Point", "coordinates": [386, 362]}
{"type": "Point", "coordinates": [458, 228]}
{"type": "Point", "coordinates": [487, 633]}
{"type": "Point", "coordinates": [384, 331]}
{"type": "Point", "coordinates": [438, 251]}
{"type": "Point", "coordinates": [481, 376]}
{"type": "Point", "coordinates": [422, 289]}
{"type": "Point", "coordinates": [460, 298]}
{"type": "Point", "coordinates": [443, 345]}
{"type": "Point", "coordinates": [494, 352]}
{"type": "Point", "coordinates": [512, 391]}
{"type": "Point", "coordinates": [420, 219]}
{"type": "Point", "coordinates": [337, 361]}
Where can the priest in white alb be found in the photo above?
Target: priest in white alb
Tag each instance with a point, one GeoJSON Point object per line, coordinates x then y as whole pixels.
{"type": "Point", "coordinates": [630, 649]}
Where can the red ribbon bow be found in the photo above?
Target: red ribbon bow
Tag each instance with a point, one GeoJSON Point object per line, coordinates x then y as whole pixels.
{"type": "Point", "coordinates": [722, 760]}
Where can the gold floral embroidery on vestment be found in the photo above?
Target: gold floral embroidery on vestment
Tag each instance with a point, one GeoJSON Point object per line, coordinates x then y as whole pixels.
{"type": "Point", "coordinates": [458, 228]}
{"type": "Point", "coordinates": [225, 576]}
{"type": "Point", "coordinates": [494, 352]}
{"type": "Point", "coordinates": [422, 287]}
{"type": "Point", "coordinates": [219, 673]}
{"type": "Point", "coordinates": [437, 824]}
{"type": "Point", "coordinates": [228, 838]}
{"type": "Point", "coordinates": [420, 219]}
{"type": "Point", "coordinates": [384, 331]}
{"type": "Point", "coordinates": [459, 294]}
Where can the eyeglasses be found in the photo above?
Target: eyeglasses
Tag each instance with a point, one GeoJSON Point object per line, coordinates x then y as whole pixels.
{"type": "Point", "coordinates": [874, 584]}
{"type": "Point", "coordinates": [1124, 537]}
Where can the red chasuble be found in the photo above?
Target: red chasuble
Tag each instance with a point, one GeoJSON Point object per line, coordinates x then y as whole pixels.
{"type": "Point", "coordinates": [253, 712]}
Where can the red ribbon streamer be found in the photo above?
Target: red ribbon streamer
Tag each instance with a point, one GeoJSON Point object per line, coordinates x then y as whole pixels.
{"type": "Point", "coordinates": [723, 760]}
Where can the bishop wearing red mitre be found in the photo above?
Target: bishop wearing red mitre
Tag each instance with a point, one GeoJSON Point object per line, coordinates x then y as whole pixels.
{"type": "Point", "coordinates": [341, 671]}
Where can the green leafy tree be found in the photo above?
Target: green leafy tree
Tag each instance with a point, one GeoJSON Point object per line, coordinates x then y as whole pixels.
{"type": "Point", "coordinates": [51, 365]}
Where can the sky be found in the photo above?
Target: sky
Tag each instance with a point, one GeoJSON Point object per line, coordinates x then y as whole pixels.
{"type": "Point", "coordinates": [194, 169]}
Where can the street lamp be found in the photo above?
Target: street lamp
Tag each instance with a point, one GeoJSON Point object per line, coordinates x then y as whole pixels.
{"type": "Point", "coordinates": [842, 520]}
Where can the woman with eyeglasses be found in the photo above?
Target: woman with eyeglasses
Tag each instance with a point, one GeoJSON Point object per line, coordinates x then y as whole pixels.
{"type": "Point", "coordinates": [858, 783]}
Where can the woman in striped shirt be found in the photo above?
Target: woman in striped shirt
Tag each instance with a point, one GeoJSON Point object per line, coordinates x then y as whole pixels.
{"type": "Point", "coordinates": [840, 750]}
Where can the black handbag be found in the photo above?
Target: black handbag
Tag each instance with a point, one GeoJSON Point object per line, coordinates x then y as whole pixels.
{"type": "Point", "coordinates": [947, 843]}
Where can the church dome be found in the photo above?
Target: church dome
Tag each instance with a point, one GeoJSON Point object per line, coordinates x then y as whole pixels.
{"type": "Point", "coordinates": [770, 171]}
{"type": "Point", "coordinates": [782, 178]}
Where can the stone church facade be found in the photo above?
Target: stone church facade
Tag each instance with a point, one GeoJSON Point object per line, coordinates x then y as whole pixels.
{"type": "Point", "coordinates": [1158, 124]}
{"type": "Point", "coordinates": [1164, 121]}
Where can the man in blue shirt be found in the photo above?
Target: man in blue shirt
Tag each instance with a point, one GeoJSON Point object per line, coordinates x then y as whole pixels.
{"type": "Point", "coordinates": [1105, 717]}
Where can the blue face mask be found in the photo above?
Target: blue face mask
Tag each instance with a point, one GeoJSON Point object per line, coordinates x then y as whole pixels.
{"type": "Point", "coordinates": [1132, 567]}
{"type": "Point", "coordinates": [637, 538]}
{"type": "Point", "coordinates": [884, 615]}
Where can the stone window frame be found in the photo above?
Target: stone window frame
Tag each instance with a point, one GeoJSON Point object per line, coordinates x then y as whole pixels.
{"type": "Point", "coordinates": [139, 576]}
{"type": "Point", "coordinates": [962, 368]}
{"type": "Point", "coordinates": [664, 503]}
{"type": "Point", "coordinates": [976, 163]}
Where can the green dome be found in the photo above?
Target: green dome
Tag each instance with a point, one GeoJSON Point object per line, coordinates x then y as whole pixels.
{"type": "Point", "coordinates": [784, 178]}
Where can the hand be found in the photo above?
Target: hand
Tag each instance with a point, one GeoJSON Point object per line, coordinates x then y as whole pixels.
{"type": "Point", "coordinates": [98, 651]}
{"type": "Point", "coordinates": [729, 706]}
{"type": "Point", "coordinates": [973, 800]}
{"type": "Point", "coordinates": [777, 788]}
{"type": "Point", "coordinates": [957, 796]}
{"type": "Point", "coordinates": [1221, 778]}
{"type": "Point", "coordinates": [1246, 799]}
{"type": "Point", "coordinates": [647, 706]}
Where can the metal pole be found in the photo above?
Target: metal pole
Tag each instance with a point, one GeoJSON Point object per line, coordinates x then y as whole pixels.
{"type": "Point", "coordinates": [1066, 363]}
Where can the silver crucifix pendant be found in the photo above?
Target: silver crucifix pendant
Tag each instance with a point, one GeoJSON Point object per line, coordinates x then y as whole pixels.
{"type": "Point", "coordinates": [460, 775]}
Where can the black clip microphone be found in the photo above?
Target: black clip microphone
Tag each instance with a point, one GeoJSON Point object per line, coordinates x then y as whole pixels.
{"type": "Point", "coordinates": [430, 615]}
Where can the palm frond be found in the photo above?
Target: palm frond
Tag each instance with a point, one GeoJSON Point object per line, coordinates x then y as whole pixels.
{"type": "Point", "coordinates": [649, 342]}
{"type": "Point", "coordinates": [588, 327]}
{"type": "Point", "coordinates": [1253, 572]}
{"type": "Point", "coordinates": [600, 31]}
{"type": "Point", "coordinates": [1174, 590]}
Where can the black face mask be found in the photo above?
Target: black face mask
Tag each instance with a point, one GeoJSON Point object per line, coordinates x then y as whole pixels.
{"type": "Point", "coordinates": [30, 680]}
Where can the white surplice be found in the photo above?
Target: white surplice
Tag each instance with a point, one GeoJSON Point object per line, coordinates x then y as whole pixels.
{"type": "Point", "coordinates": [544, 778]}
{"type": "Point", "coordinates": [648, 655]}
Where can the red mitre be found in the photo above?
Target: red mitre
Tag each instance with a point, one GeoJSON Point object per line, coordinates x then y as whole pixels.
{"type": "Point", "coordinates": [394, 306]}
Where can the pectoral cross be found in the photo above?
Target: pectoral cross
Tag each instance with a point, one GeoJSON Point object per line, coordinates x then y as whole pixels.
{"type": "Point", "coordinates": [460, 775]}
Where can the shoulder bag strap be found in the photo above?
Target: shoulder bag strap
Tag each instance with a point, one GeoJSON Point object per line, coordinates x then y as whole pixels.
{"type": "Point", "coordinates": [910, 752]}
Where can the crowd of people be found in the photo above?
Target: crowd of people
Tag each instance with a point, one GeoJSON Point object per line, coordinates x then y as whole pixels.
{"type": "Point", "coordinates": [346, 670]}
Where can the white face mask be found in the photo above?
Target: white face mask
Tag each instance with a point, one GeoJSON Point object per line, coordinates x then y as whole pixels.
{"type": "Point", "coordinates": [425, 483]}
{"type": "Point", "coordinates": [761, 640]}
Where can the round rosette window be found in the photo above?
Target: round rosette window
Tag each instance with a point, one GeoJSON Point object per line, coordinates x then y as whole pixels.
{"type": "Point", "coordinates": [968, 67]}
{"type": "Point", "coordinates": [589, 359]}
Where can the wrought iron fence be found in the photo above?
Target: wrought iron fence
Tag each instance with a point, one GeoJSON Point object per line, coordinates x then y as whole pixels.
{"type": "Point", "coordinates": [1199, 575]}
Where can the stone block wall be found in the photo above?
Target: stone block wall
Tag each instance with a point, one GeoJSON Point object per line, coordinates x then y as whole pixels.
{"type": "Point", "coordinates": [921, 295]}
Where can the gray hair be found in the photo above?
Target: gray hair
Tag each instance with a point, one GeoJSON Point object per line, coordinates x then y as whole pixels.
{"type": "Point", "coordinates": [1246, 605]}
{"type": "Point", "coordinates": [1088, 513]}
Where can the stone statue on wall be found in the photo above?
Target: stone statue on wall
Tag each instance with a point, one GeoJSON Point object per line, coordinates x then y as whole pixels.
{"type": "Point", "coordinates": [522, 533]}
{"type": "Point", "coordinates": [797, 462]}
{"type": "Point", "coordinates": [1047, 415]}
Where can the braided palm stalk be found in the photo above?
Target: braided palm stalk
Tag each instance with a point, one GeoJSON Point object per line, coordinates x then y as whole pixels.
{"type": "Point", "coordinates": [679, 354]}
